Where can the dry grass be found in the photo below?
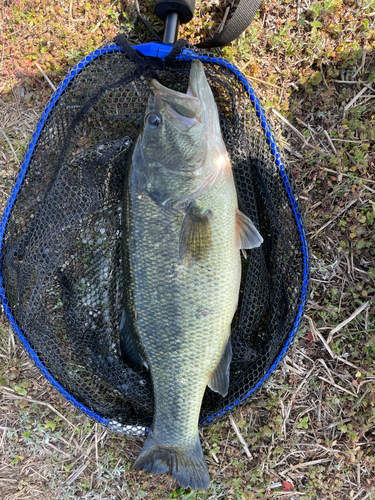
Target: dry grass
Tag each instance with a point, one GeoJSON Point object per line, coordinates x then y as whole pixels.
{"type": "Point", "coordinates": [310, 432]}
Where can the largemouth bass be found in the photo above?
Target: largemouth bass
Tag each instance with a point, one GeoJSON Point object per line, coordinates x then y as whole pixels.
{"type": "Point", "coordinates": [182, 232]}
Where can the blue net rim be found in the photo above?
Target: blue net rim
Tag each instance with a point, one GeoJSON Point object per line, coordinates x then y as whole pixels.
{"type": "Point", "coordinates": [158, 50]}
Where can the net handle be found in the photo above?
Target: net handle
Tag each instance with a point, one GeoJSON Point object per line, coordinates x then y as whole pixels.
{"type": "Point", "coordinates": [182, 11]}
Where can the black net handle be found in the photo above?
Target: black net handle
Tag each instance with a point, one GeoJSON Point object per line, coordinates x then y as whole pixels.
{"type": "Point", "coordinates": [238, 23]}
{"type": "Point", "coordinates": [184, 8]}
{"type": "Point", "coordinates": [240, 20]}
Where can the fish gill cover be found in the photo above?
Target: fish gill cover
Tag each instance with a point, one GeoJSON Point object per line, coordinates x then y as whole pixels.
{"type": "Point", "coordinates": [61, 234]}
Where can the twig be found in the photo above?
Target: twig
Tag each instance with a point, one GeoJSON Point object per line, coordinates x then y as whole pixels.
{"type": "Point", "coordinates": [312, 326]}
{"type": "Point", "coordinates": [359, 475]}
{"type": "Point", "coordinates": [319, 411]}
{"type": "Point", "coordinates": [287, 413]}
{"type": "Point", "coordinates": [327, 369]}
{"type": "Point", "coordinates": [2, 438]}
{"type": "Point", "coordinates": [330, 142]}
{"type": "Point", "coordinates": [338, 386]}
{"type": "Point", "coordinates": [307, 464]}
{"type": "Point", "coordinates": [345, 140]}
{"type": "Point", "coordinates": [258, 79]}
{"type": "Point", "coordinates": [241, 439]}
{"type": "Point", "coordinates": [38, 474]}
{"type": "Point", "coordinates": [332, 220]}
{"type": "Point", "coordinates": [292, 127]}
{"type": "Point", "coordinates": [356, 97]}
{"type": "Point", "coordinates": [226, 443]}
{"type": "Point", "coordinates": [316, 333]}
{"type": "Point", "coordinates": [11, 341]}
{"type": "Point", "coordinates": [46, 77]}
{"type": "Point", "coordinates": [83, 442]}
{"type": "Point", "coordinates": [356, 82]}
{"type": "Point", "coordinates": [332, 354]}
{"type": "Point", "coordinates": [368, 188]}
{"type": "Point", "coordinates": [335, 424]}
{"type": "Point", "coordinates": [359, 493]}
{"type": "Point", "coordinates": [58, 449]}
{"type": "Point", "coordinates": [361, 270]}
{"type": "Point", "coordinates": [10, 145]}
{"type": "Point", "coordinates": [345, 322]}
{"type": "Point", "coordinates": [75, 474]}
{"type": "Point", "coordinates": [3, 44]}
{"type": "Point", "coordinates": [302, 466]}
{"type": "Point", "coordinates": [17, 396]}
{"type": "Point", "coordinates": [298, 9]}
{"type": "Point", "coordinates": [283, 415]}
{"type": "Point", "coordinates": [346, 175]}
{"type": "Point", "coordinates": [71, 12]}
{"type": "Point", "coordinates": [96, 447]}
{"type": "Point", "coordinates": [285, 458]}
{"type": "Point", "coordinates": [364, 102]}
{"type": "Point", "coordinates": [291, 494]}
{"type": "Point", "coordinates": [307, 126]}
{"type": "Point", "coordinates": [322, 73]}
{"type": "Point", "coordinates": [224, 19]}
{"type": "Point", "coordinates": [294, 370]}
{"type": "Point", "coordinates": [362, 63]}
{"type": "Point", "coordinates": [90, 446]}
{"type": "Point", "coordinates": [327, 450]}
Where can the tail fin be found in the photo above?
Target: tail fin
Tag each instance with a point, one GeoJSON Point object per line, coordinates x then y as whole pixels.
{"type": "Point", "coordinates": [186, 465]}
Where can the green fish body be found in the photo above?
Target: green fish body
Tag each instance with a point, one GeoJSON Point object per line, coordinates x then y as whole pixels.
{"type": "Point", "coordinates": [182, 232]}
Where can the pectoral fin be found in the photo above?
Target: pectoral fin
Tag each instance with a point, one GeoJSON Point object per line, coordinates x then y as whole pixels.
{"type": "Point", "coordinates": [196, 233]}
{"type": "Point", "coordinates": [219, 379]}
{"type": "Point", "coordinates": [246, 232]}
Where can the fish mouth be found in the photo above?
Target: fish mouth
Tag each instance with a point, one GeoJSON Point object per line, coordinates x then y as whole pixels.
{"type": "Point", "coordinates": [185, 105]}
{"type": "Point", "coordinates": [182, 122]}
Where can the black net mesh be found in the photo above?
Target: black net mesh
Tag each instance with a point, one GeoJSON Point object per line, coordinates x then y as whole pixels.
{"type": "Point", "coordinates": [61, 259]}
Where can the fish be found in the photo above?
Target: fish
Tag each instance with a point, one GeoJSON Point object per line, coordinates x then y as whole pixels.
{"type": "Point", "coordinates": [182, 233]}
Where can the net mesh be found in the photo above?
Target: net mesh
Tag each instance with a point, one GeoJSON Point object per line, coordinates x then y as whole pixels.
{"type": "Point", "coordinates": [61, 253]}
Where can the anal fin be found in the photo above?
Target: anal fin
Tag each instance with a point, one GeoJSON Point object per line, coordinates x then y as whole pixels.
{"type": "Point", "coordinates": [219, 379]}
{"type": "Point", "coordinates": [247, 234]}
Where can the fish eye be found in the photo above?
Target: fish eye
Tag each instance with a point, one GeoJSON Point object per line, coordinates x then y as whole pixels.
{"type": "Point", "coordinates": [153, 120]}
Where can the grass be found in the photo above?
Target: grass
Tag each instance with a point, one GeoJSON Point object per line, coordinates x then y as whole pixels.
{"type": "Point", "coordinates": [311, 429]}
